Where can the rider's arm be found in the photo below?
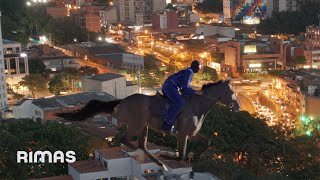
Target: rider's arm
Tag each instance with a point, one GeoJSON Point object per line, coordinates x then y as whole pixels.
{"type": "Point", "coordinates": [185, 84]}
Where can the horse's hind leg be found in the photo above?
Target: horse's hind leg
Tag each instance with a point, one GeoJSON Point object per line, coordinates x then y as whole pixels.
{"type": "Point", "coordinates": [204, 141]}
{"type": "Point", "coordinates": [126, 139]}
{"type": "Point", "coordinates": [142, 139]}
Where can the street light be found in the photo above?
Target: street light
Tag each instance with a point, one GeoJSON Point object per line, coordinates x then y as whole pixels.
{"type": "Point", "coordinates": [100, 38]}
{"type": "Point", "coordinates": [75, 40]}
{"type": "Point", "coordinates": [23, 55]}
{"type": "Point", "coordinates": [28, 3]}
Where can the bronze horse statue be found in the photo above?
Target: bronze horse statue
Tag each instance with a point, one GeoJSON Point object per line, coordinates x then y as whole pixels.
{"type": "Point", "coordinates": [138, 112]}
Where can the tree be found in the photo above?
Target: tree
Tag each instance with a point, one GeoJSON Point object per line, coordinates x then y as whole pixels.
{"type": "Point", "coordinates": [36, 66]}
{"type": "Point", "coordinates": [300, 60]}
{"type": "Point", "coordinates": [88, 71]}
{"type": "Point", "coordinates": [29, 135]}
{"type": "Point", "coordinates": [171, 7]}
{"type": "Point", "coordinates": [65, 30]}
{"type": "Point", "coordinates": [34, 82]}
{"type": "Point", "coordinates": [211, 73]}
{"type": "Point", "coordinates": [13, 94]}
{"type": "Point", "coordinates": [58, 84]}
{"type": "Point", "coordinates": [292, 22]}
{"type": "Point", "coordinates": [218, 56]}
{"type": "Point", "coordinates": [207, 74]}
{"type": "Point", "coordinates": [210, 6]}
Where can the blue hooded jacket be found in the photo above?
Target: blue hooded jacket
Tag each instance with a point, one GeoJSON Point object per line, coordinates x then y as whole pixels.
{"type": "Point", "coordinates": [182, 80]}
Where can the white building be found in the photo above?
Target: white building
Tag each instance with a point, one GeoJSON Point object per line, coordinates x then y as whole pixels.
{"type": "Point", "coordinates": [158, 5]}
{"type": "Point", "coordinates": [45, 108]}
{"type": "Point", "coordinates": [16, 62]}
{"type": "Point", "coordinates": [123, 60]}
{"type": "Point", "coordinates": [124, 163]}
{"type": "Point", "coordinates": [211, 30]}
{"type": "Point", "coordinates": [58, 63]}
{"type": "Point", "coordinates": [138, 11]}
{"type": "Point", "coordinates": [3, 87]}
{"type": "Point", "coordinates": [113, 84]}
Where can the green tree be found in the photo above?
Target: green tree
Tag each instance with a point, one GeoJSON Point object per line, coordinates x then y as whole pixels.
{"type": "Point", "coordinates": [34, 82]}
{"type": "Point", "coordinates": [13, 94]}
{"type": "Point", "coordinates": [65, 30]}
{"type": "Point", "coordinates": [36, 66]}
{"type": "Point", "coordinates": [292, 22]}
{"type": "Point", "coordinates": [58, 84]}
{"type": "Point", "coordinates": [29, 135]}
{"type": "Point", "coordinates": [217, 56]}
{"type": "Point", "coordinates": [299, 60]}
{"type": "Point", "coordinates": [171, 7]}
{"type": "Point", "coordinates": [210, 6]}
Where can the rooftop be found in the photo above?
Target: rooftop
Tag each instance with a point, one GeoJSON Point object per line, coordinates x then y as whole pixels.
{"type": "Point", "coordinates": [64, 177]}
{"type": "Point", "coordinates": [56, 58]}
{"type": "Point", "coordinates": [105, 77]}
{"type": "Point", "coordinates": [5, 41]}
{"type": "Point", "coordinates": [105, 50]}
{"type": "Point", "coordinates": [115, 152]}
{"type": "Point", "coordinates": [71, 100]}
{"type": "Point", "coordinates": [88, 166]}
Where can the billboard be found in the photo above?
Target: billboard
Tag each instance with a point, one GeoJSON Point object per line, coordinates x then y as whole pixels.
{"type": "Point", "coordinates": [253, 8]}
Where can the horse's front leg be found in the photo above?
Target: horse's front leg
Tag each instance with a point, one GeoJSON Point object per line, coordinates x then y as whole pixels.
{"type": "Point", "coordinates": [204, 141]}
{"type": "Point", "coordinates": [182, 145]}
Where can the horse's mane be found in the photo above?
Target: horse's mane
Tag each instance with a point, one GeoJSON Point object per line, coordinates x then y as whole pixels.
{"type": "Point", "coordinates": [205, 86]}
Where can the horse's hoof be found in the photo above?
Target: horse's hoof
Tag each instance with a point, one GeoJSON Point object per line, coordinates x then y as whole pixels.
{"type": "Point", "coordinates": [170, 157]}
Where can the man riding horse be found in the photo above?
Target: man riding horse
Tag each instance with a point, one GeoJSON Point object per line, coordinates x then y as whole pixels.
{"type": "Point", "coordinates": [179, 81]}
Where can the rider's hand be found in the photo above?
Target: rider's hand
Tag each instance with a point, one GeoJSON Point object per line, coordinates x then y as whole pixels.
{"type": "Point", "coordinates": [199, 93]}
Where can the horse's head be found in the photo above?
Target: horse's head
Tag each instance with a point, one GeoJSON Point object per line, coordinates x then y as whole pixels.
{"type": "Point", "coordinates": [222, 91]}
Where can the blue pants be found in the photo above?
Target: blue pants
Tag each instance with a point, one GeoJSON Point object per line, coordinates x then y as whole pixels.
{"type": "Point", "coordinates": [177, 102]}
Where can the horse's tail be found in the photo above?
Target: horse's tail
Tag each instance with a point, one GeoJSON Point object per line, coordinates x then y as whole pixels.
{"type": "Point", "coordinates": [93, 107]}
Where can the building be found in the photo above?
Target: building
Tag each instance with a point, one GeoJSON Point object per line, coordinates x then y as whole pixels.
{"type": "Point", "coordinates": [165, 20]}
{"type": "Point", "coordinates": [138, 12]}
{"type": "Point", "coordinates": [158, 5]}
{"type": "Point", "coordinates": [301, 89]}
{"type": "Point", "coordinates": [239, 10]}
{"type": "Point", "coordinates": [58, 63]}
{"type": "Point", "coordinates": [186, 1]}
{"type": "Point", "coordinates": [108, 15]}
{"type": "Point", "coordinates": [312, 37]}
{"type": "Point", "coordinates": [92, 22]}
{"type": "Point", "coordinates": [255, 56]}
{"type": "Point", "coordinates": [213, 30]}
{"type": "Point", "coordinates": [109, 55]}
{"type": "Point", "coordinates": [125, 163]}
{"type": "Point", "coordinates": [113, 84]}
{"type": "Point", "coordinates": [45, 108]}
{"type": "Point", "coordinates": [3, 86]}
{"type": "Point", "coordinates": [57, 12]}
{"type": "Point", "coordinates": [16, 62]}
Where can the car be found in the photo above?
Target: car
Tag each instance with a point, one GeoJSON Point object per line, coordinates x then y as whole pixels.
{"type": "Point", "coordinates": [278, 101]}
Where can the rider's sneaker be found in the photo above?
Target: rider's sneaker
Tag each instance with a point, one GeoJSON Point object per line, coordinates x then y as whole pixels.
{"type": "Point", "coordinates": [168, 128]}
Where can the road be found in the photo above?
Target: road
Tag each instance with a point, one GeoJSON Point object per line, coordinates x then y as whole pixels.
{"type": "Point", "coordinates": [245, 103]}
{"type": "Point", "coordinates": [102, 69]}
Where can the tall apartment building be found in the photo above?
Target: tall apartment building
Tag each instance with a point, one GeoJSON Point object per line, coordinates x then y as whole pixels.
{"type": "Point", "coordinates": [283, 5]}
{"type": "Point", "coordinates": [312, 37]}
{"type": "Point", "coordinates": [3, 87]}
{"type": "Point", "coordinates": [16, 62]}
{"type": "Point", "coordinates": [138, 12]}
